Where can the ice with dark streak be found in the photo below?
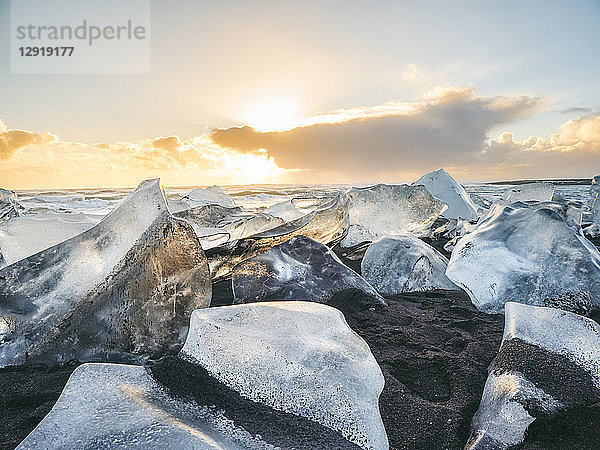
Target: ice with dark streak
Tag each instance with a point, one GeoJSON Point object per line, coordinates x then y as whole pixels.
{"type": "Point", "coordinates": [123, 289]}
{"type": "Point", "coordinates": [390, 209]}
{"type": "Point", "coordinates": [445, 188]}
{"type": "Point", "coordinates": [327, 223]}
{"type": "Point", "coordinates": [549, 361]}
{"type": "Point", "coordinates": [405, 264]}
{"type": "Point", "coordinates": [297, 357]}
{"type": "Point", "coordinates": [528, 253]}
{"type": "Point", "coordinates": [299, 269]}
{"type": "Point", "coordinates": [106, 405]}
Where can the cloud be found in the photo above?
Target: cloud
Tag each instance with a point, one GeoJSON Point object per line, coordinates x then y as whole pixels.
{"type": "Point", "coordinates": [572, 152]}
{"type": "Point", "coordinates": [449, 126]}
{"type": "Point", "coordinates": [576, 110]}
{"type": "Point", "coordinates": [11, 141]}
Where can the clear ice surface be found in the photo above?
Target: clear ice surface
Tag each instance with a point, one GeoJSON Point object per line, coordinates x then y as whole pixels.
{"type": "Point", "coordinates": [445, 188]}
{"type": "Point", "coordinates": [404, 264]}
{"type": "Point", "coordinates": [540, 191]}
{"type": "Point", "coordinates": [298, 357]}
{"type": "Point", "coordinates": [527, 253]}
{"type": "Point", "coordinates": [212, 195]}
{"type": "Point", "coordinates": [24, 236]}
{"type": "Point", "coordinates": [122, 406]}
{"type": "Point", "coordinates": [386, 210]}
{"type": "Point", "coordinates": [285, 210]}
{"type": "Point", "coordinates": [123, 288]}
{"type": "Point", "coordinates": [215, 224]}
{"type": "Point", "coordinates": [509, 395]}
{"type": "Point", "coordinates": [327, 224]}
{"type": "Point", "coordinates": [298, 269]}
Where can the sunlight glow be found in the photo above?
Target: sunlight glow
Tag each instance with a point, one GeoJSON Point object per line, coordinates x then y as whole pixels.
{"type": "Point", "coordinates": [272, 114]}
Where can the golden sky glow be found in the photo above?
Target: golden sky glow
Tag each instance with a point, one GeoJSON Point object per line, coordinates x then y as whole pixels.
{"type": "Point", "coordinates": [392, 142]}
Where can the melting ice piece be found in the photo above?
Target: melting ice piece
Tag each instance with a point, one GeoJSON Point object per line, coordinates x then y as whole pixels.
{"type": "Point", "coordinates": [539, 191]}
{"type": "Point", "coordinates": [549, 361]}
{"type": "Point", "coordinates": [212, 221]}
{"type": "Point", "coordinates": [212, 195]}
{"type": "Point", "coordinates": [327, 224]}
{"type": "Point", "coordinates": [26, 235]}
{"type": "Point", "coordinates": [405, 264]}
{"type": "Point", "coordinates": [9, 206]}
{"type": "Point", "coordinates": [298, 269]}
{"type": "Point", "coordinates": [442, 186]}
{"type": "Point", "coordinates": [527, 253]}
{"type": "Point", "coordinates": [386, 210]}
{"type": "Point", "coordinates": [124, 288]}
{"type": "Point", "coordinates": [122, 406]}
{"type": "Point", "coordinates": [285, 210]}
{"type": "Point", "coordinates": [297, 357]}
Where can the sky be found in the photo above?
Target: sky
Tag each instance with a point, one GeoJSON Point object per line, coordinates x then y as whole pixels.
{"type": "Point", "coordinates": [319, 92]}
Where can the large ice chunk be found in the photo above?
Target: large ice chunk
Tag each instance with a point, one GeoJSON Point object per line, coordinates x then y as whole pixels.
{"type": "Point", "coordinates": [539, 191]}
{"type": "Point", "coordinates": [405, 264]}
{"type": "Point", "coordinates": [297, 357]}
{"type": "Point", "coordinates": [387, 210]}
{"type": "Point", "coordinates": [216, 225]}
{"type": "Point", "coordinates": [445, 188]}
{"type": "Point", "coordinates": [122, 406]}
{"type": "Point", "coordinates": [327, 224]}
{"type": "Point", "coordinates": [26, 235]}
{"type": "Point", "coordinates": [298, 269]}
{"type": "Point", "coordinates": [527, 253]}
{"type": "Point", "coordinates": [212, 195]}
{"type": "Point", "coordinates": [9, 206]}
{"type": "Point", "coordinates": [549, 361]}
{"type": "Point", "coordinates": [124, 287]}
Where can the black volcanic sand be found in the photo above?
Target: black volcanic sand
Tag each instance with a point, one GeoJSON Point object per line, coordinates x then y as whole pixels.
{"type": "Point", "coordinates": [434, 350]}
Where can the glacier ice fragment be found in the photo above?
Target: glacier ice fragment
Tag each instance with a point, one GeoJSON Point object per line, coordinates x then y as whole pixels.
{"type": "Point", "coordinates": [298, 269]}
{"type": "Point", "coordinates": [405, 264]}
{"type": "Point", "coordinates": [549, 361]}
{"type": "Point", "coordinates": [445, 188]}
{"type": "Point", "coordinates": [386, 210]}
{"type": "Point", "coordinates": [122, 289]}
{"type": "Point", "coordinates": [297, 357]}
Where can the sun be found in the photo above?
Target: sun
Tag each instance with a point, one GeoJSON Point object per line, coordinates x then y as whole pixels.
{"type": "Point", "coordinates": [272, 114]}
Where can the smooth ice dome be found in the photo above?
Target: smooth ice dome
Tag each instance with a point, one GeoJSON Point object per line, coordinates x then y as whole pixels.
{"type": "Point", "coordinates": [299, 269]}
{"type": "Point", "coordinates": [122, 406]}
{"type": "Point", "coordinates": [297, 357]}
{"type": "Point", "coordinates": [24, 236]}
{"type": "Point", "coordinates": [327, 223]}
{"type": "Point", "coordinates": [404, 264]}
{"type": "Point", "coordinates": [527, 253]}
{"type": "Point", "coordinates": [539, 192]}
{"type": "Point", "coordinates": [123, 288]}
{"type": "Point", "coordinates": [387, 210]}
{"type": "Point", "coordinates": [212, 195]}
{"type": "Point", "coordinates": [445, 188]}
{"type": "Point", "coordinates": [549, 361]}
